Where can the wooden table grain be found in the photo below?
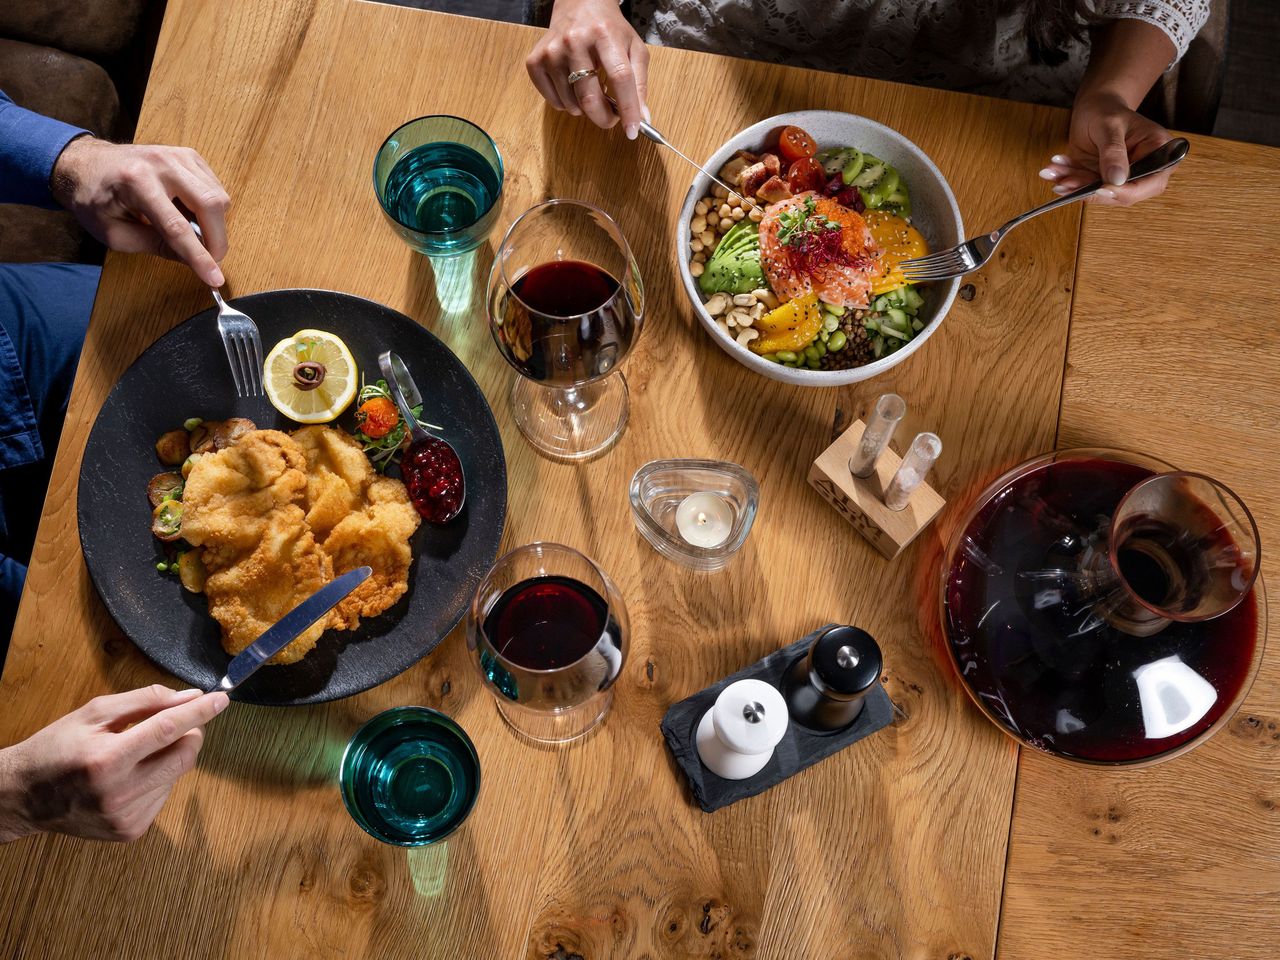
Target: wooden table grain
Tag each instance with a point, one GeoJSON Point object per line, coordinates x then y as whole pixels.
{"type": "Point", "coordinates": [896, 848]}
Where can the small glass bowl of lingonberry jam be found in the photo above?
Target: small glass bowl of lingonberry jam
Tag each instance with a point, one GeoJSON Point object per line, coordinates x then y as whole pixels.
{"type": "Point", "coordinates": [433, 477]}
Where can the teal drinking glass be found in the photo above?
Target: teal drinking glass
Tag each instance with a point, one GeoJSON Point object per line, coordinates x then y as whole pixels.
{"type": "Point", "coordinates": [439, 182]}
{"type": "Point", "coordinates": [410, 776]}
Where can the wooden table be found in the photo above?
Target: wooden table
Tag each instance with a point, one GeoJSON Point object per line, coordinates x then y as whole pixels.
{"type": "Point", "coordinates": [935, 839]}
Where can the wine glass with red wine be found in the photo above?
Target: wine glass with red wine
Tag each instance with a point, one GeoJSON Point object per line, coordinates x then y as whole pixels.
{"type": "Point", "coordinates": [565, 305]}
{"type": "Point", "coordinates": [548, 631]}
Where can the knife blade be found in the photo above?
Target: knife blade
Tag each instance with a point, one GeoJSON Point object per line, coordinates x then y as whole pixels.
{"type": "Point", "coordinates": [278, 636]}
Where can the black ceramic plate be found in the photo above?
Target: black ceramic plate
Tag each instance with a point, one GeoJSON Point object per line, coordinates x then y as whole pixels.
{"type": "Point", "coordinates": [185, 374]}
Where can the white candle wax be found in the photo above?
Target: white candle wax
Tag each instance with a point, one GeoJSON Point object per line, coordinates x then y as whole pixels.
{"type": "Point", "coordinates": [704, 520]}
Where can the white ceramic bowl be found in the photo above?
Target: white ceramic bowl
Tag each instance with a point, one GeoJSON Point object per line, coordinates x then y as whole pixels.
{"type": "Point", "coordinates": [933, 212]}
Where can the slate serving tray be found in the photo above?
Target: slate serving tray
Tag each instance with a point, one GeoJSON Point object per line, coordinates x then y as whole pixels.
{"type": "Point", "coordinates": [798, 749]}
{"type": "Point", "coordinates": [185, 374]}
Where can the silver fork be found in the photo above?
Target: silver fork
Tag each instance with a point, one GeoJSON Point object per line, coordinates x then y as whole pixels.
{"type": "Point", "coordinates": [241, 340]}
{"type": "Point", "coordinates": [972, 254]}
{"type": "Point", "coordinates": [243, 344]}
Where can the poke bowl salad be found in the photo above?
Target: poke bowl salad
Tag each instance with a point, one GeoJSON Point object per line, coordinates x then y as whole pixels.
{"type": "Point", "coordinates": [796, 270]}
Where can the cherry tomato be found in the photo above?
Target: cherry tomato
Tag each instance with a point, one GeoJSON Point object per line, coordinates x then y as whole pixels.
{"type": "Point", "coordinates": [377, 417]}
{"type": "Point", "coordinates": [806, 174]}
{"type": "Point", "coordinates": [794, 143]}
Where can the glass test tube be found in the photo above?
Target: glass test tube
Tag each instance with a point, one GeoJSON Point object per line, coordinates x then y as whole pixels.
{"type": "Point", "coordinates": [925, 449]}
{"type": "Point", "coordinates": [889, 411]}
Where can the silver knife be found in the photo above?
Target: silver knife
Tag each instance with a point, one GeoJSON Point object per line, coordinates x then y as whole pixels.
{"type": "Point", "coordinates": [650, 131]}
{"type": "Point", "coordinates": [278, 636]}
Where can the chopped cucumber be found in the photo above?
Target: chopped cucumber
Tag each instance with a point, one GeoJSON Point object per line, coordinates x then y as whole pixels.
{"type": "Point", "coordinates": [889, 331]}
{"type": "Point", "coordinates": [870, 174]}
{"type": "Point", "coordinates": [913, 299]}
{"type": "Point", "coordinates": [871, 325]}
{"type": "Point", "coordinates": [917, 325]}
{"type": "Point", "coordinates": [881, 304]}
{"type": "Point", "coordinates": [899, 318]}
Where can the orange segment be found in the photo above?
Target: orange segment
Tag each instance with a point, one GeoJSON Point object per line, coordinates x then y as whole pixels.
{"type": "Point", "coordinates": [898, 241]}
{"type": "Point", "coordinates": [791, 326]}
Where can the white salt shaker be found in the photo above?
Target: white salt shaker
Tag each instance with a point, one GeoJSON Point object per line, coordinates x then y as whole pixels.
{"type": "Point", "coordinates": [737, 735]}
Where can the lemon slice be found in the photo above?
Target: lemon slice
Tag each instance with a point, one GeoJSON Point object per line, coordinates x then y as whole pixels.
{"type": "Point", "coordinates": [336, 390]}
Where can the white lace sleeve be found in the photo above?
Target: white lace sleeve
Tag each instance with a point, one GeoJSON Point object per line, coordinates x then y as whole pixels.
{"type": "Point", "coordinates": [1180, 19]}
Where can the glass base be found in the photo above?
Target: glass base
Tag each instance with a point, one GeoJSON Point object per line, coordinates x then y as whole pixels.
{"type": "Point", "coordinates": [560, 726]}
{"type": "Point", "coordinates": [574, 423]}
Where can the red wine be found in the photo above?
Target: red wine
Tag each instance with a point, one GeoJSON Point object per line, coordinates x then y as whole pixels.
{"type": "Point", "coordinates": [565, 288]}
{"type": "Point", "coordinates": [545, 623]}
{"type": "Point", "coordinates": [1053, 676]}
{"type": "Point", "coordinates": [564, 323]}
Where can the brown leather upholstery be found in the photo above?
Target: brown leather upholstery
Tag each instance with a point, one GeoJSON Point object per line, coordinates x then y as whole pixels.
{"type": "Point", "coordinates": [92, 28]}
{"type": "Point", "coordinates": [59, 85]}
{"type": "Point", "coordinates": [75, 91]}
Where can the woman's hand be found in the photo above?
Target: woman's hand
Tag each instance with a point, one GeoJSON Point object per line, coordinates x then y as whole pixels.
{"type": "Point", "coordinates": [586, 35]}
{"type": "Point", "coordinates": [124, 195]}
{"type": "Point", "coordinates": [1107, 136]}
{"type": "Point", "coordinates": [104, 771]}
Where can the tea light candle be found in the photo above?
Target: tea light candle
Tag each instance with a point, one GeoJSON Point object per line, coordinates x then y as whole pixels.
{"type": "Point", "coordinates": [704, 520]}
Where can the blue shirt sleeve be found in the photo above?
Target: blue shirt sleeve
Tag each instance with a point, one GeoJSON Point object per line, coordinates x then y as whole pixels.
{"type": "Point", "coordinates": [30, 144]}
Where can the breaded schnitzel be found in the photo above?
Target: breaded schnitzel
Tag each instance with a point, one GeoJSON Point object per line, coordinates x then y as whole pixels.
{"type": "Point", "coordinates": [360, 519]}
{"type": "Point", "coordinates": [338, 474]}
{"type": "Point", "coordinates": [258, 588]}
{"type": "Point", "coordinates": [378, 536]}
{"type": "Point", "coordinates": [279, 516]}
{"type": "Point", "coordinates": [229, 495]}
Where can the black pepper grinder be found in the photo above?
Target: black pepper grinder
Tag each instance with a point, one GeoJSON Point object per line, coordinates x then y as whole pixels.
{"type": "Point", "coordinates": [826, 687]}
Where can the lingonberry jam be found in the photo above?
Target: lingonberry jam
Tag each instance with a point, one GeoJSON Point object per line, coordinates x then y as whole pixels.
{"type": "Point", "coordinates": [433, 476]}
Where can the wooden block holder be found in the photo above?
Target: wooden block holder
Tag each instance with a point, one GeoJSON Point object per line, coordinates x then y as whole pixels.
{"type": "Point", "coordinates": [861, 500]}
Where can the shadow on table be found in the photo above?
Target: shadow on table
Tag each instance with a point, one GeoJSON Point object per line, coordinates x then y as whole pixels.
{"type": "Point", "coordinates": [630, 184]}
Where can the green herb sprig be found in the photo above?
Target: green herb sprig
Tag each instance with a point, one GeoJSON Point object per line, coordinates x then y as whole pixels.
{"type": "Point", "coordinates": [385, 450]}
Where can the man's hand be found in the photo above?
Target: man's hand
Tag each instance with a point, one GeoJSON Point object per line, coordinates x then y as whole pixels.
{"type": "Point", "coordinates": [124, 195]}
{"type": "Point", "coordinates": [104, 771]}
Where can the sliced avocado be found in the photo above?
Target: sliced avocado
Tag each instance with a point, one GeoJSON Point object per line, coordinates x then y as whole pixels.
{"type": "Point", "coordinates": [734, 267]}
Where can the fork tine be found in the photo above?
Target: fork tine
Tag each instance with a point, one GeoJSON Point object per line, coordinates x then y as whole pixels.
{"type": "Point", "coordinates": [232, 362]}
{"type": "Point", "coordinates": [242, 352]}
{"type": "Point", "coordinates": [255, 350]}
{"type": "Point", "coordinates": [954, 255]}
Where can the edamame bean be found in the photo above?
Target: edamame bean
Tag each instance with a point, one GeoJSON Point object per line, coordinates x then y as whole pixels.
{"type": "Point", "coordinates": [811, 353]}
{"type": "Point", "coordinates": [813, 364]}
{"type": "Point", "coordinates": [191, 423]}
{"type": "Point", "coordinates": [838, 311]}
{"type": "Point", "coordinates": [162, 567]}
{"type": "Point", "coordinates": [837, 341]}
{"type": "Point", "coordinates": [830, 324]}
{"type": "Point", "coordinates": [821, 348]}
{"type": "Point", "coordinates": [786, 356]}
{"type": "Point", "coordinates": [822, 335]}
{"type": "Point", "coordinates": [771, 357]}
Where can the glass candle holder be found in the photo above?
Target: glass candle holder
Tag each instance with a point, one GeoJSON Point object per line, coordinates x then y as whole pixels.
{"type": "Point", "coordinates": [695, 512]}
